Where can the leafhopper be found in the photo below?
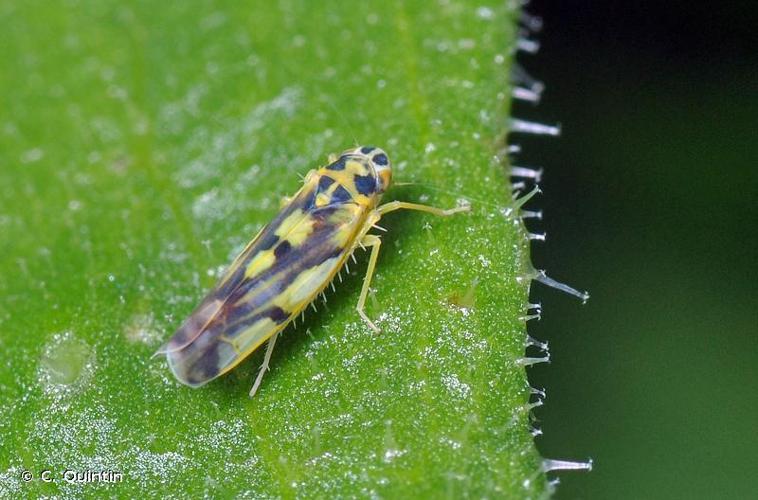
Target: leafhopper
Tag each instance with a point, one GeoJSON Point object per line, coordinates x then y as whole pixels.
{"type": "Point", "coordinates": [287, 265]}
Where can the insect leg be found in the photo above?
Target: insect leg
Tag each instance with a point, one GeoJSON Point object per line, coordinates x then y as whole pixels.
{"type": "Point", "coordinates": [397, 205]}
{"type": "Point", "coordinates": [373, 241]}
{"type": "Point", "coordinates": [264, 366]}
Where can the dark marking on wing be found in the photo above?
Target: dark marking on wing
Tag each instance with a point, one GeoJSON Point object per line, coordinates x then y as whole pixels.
{"type": "Point", "coordinates": [324, 182]}
{"type": "Point", "coordinates": [277, 315]}
{"type": "Point", "coordinates": [337, 165]}
{"type": "Point", "coordinates": [340, 195]}
{"type": "Point", "coordinates": [205, 368]}
{"type": "Point", "coordinates": [282, 249]}
{"type": "Point", "coordinates": [241, 309]}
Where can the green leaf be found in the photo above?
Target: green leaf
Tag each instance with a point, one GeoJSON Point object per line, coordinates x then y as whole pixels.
{"type": "Point", "coordinates": [143, 144]}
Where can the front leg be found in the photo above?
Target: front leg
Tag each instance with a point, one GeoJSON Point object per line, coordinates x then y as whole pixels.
{"type": "Point", "coordinates": [373, 241]}
{"type": "Point", "coordinates": [397, 205]}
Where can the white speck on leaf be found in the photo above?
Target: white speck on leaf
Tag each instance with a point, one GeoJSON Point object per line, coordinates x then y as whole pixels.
{"type": "Point", "coordinates": [32, 155]}
{"type": "Point", "coordinates": [455, 387]}
{"type": "Point", "coordinates": [392, 454]}
{"type": "Point", "coordinates": [485, 13]}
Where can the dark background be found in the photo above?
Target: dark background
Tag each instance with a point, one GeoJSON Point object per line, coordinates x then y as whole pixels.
{"type": "Point", "coordinates": [650, 204]}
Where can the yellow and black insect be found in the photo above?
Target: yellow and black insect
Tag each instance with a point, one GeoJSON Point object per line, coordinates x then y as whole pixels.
{"type": "Point", "coordinates": [286, 266]}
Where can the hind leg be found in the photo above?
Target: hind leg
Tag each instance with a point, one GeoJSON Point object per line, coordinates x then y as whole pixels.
{"type": "Point", "coordinates": [264, 366]}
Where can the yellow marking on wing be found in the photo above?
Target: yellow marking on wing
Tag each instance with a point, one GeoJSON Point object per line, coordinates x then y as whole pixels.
{"type": "Point", "coordinates": [248, 341]}
{"type": "Point", "coordinates": [300, 232]}
{"type": "Point", "coordinates": [343, 236]}
{"type": "Point", "coordinates": [262, 261]}
{"type": "Point", "coordinates": [322, 199]}
{"type": "Point", "coordinates": [365, 201]}
{"type": "Point", "coordinates": [306, 285]}
{"type": "Point", "coordinates": [289, 223]}
{"type": "Point", "coordinates": [343, 177]}
{"type": "Point", "coordinates": [342, 218]}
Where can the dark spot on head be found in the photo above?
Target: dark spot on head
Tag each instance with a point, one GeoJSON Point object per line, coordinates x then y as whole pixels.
{"type": "Point", "coordinates": [340, 195]}
{"type": "Point", "coordinates": [381, 159]}
{"type": "Point", "coordinates": [277, 314]}
{"type": "Point", "coordinates": [282, 249]}
{"type": "Point", "coordinates": [337, 165]}
{"type": "Point", "coordinates": [365, 184]}
{"type": "Point", "coordinates": [367, 149]}
{"type": "Point", "coordinates": [324, 183]}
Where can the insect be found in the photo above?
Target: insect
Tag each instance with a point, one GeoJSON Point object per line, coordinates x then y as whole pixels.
{"type": "Point", "coordinates": [285, 267]}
